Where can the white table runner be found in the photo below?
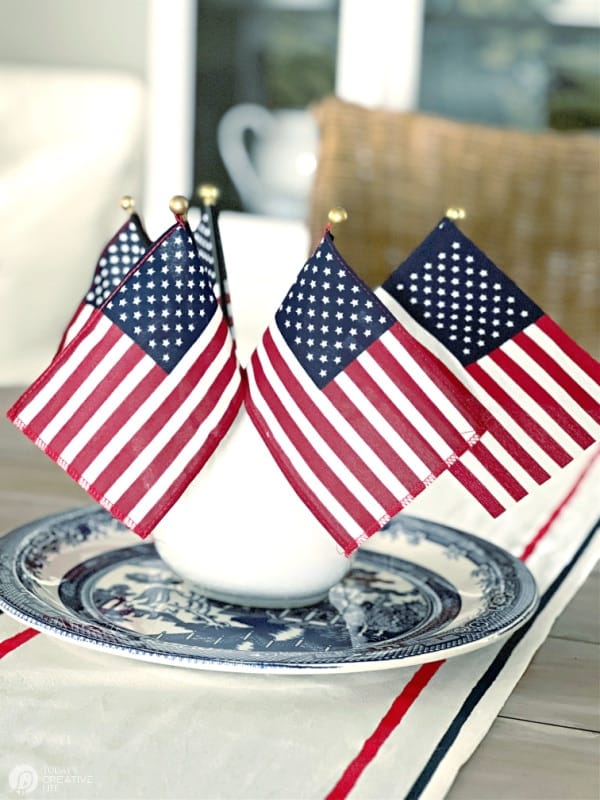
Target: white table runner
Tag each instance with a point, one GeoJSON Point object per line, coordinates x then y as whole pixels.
{"type": "Point", "coordinates": [124, 729]}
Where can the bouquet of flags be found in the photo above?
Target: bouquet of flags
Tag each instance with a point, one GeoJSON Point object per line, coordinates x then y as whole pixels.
{"type": "Point", "coordinates": [363, 398]}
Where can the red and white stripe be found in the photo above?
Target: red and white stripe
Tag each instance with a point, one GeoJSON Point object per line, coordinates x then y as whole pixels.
{"type": "Point", "coordinates": [80, 317]}
{"type": "Point", "coordinates": [478, 469]}
{"type": "Point", "coordinates": [362, 448]}
{"type": "Point", "coordinates": [548, 386]}
{"type": "Point", "coordinates": [131, 434]}
{"type": "Point", "coordinates": [517, 452]}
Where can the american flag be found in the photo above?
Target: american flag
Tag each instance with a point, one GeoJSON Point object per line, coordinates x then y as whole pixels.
{"type": "Point", "coordinates": [541, 389]}
{"type": "Point", "coordinates": [119, 256]}
{"type": "Point", "coordinates": [137, 402]}
{"type": "Point", "coordinates": [208, 242]}
{"type": "Point", "coordinates": [351, 407]}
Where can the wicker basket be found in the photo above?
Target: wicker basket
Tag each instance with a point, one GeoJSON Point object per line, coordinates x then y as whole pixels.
{"type": "Point", "coordinates": [532, 200]}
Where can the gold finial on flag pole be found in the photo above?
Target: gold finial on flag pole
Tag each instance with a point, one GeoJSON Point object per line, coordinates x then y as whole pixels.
{"type": "Point", "coordinates": [208, 193]}
{"type": "Point", "coordinates": [337, 214]}
{"type": "Point", "coordinates": [179, 205]}
{"type": "Point", "coordinates": [127, 203]}
{"type": "Point", "coordinates": [455, 213]}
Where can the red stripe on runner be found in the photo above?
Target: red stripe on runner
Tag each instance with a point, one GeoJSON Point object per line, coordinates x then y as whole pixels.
{"type": "Point", "coordinates": [8, 645]}
{"type": "Point", "coordinates": [328, 432]}
{"type": "Point", "coordinates": [423, 675]}
{"type": "Point", "coordinates": [585, 401]}
{"type": "Point", "coordinates": [542, 398]}
{"type": "Point", "coordinates": [576, 353]}
{"type": "Point", "coordinates": [387, 725]}
{"type": "Point", "coordinates": [520, 416]}
{"type": "Point", "coordinates": [315, 462]}
{"type": "Point", "coordinates": [533, 543]}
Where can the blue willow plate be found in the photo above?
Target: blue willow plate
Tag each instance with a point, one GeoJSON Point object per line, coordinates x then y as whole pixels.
{"type": "Point", "coordinates": [82, 576]}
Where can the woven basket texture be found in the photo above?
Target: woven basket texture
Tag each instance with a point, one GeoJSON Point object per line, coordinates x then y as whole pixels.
{"type": "Point", "coordinates": [532, 200]}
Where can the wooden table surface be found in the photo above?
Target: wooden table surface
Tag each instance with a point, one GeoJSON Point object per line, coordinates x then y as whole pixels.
{"type": "Point", "coordinates": [546, 741]}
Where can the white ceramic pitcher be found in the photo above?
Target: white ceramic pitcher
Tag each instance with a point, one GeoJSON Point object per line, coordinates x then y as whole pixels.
{"type": "Point", "coordinates": [273, 171]}
{"type": "Point", "coordinates": [242, 535]}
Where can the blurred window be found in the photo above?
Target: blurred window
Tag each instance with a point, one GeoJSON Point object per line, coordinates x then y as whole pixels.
{"type": "Point", "coordinates": [530, 64]}
{"type": "Point", "coordinates": [279, 54]}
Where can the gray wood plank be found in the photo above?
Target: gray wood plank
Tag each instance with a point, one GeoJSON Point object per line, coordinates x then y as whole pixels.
{"type": "Point", "coordinates": [22, 467]}
{"type": "Point", "coordinates": [559, 686]}
{"type": "Point", "coordinates": [581, 618]}
{"type": "Point", "coordinates": [531, 761]}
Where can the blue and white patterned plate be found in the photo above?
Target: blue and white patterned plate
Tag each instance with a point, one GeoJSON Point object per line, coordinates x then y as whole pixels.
{"type": "Point", "coordinates": [80, 575]}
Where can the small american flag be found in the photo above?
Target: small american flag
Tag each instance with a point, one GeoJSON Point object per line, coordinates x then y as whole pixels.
{"type": "Point", "coordinates": [208, 242]}
{"type": "Point", "coordinates": [349, 404]}
{"type": "Point", "coordinates": [541, 389]}
{"type": "Point", "coordinates": [139, 399]}
{"type": "Point", "coordinates": [119, 256]}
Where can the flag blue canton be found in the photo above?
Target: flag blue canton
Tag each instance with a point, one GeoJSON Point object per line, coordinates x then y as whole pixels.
{"type": "Point", "coordinates": [454, 291]}
{"type": "Point", "coordinates": [118, 258]}
{"type": "Point", "coordinates": [167, 302]}
{"type": "Point", "coordinates": [328, 317]}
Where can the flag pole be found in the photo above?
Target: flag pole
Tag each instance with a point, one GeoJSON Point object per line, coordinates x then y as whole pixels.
{"type": "Point", "coordinates": [208, 194]}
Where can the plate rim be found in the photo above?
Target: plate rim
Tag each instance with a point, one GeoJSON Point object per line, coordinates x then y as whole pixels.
{"type": "Point", "coordinates": [203, 661]}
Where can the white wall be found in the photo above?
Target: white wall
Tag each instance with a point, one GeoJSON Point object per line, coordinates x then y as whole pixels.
{"type": "Point", "coordinates": [84, 33]}
{"type": "Point", "coordinates": [379, 52]}
{"type": "Point", "coordinates": [151, 39]}
{"type": "Point", "coordinates": [72, 124]}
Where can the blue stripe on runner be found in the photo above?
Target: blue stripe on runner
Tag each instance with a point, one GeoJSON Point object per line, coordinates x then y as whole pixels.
{"type": "Point", "coordinates": [491, 674]}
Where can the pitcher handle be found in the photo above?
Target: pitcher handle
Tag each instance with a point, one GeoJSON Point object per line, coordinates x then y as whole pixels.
{"type": "Point", "coordinates": [232, 145]}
